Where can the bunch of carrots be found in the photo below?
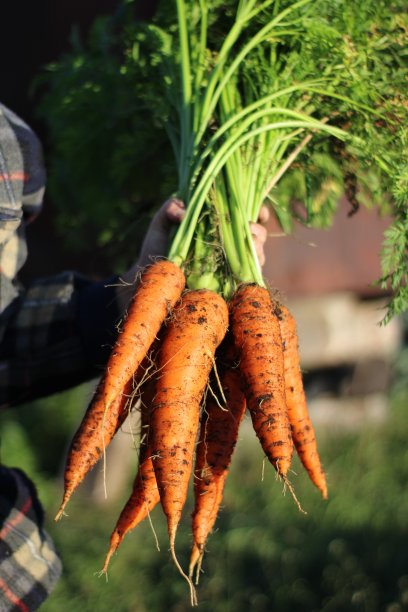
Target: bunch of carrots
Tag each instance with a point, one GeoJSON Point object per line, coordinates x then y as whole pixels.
{"type": "Point", "coordinates": [248, 348]}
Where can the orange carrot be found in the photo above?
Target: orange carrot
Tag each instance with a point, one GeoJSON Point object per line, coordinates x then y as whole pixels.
{"type": "Point", "coordinates": [92, 438]}
{"type": "Point", "coordinates": [256, 332]}
{"type": "Point", "coordinates": [159, 289]}
{"type": "Point", "coordinates": [218, 436]}
{"type": "Point", "coordinates": [186, 357]}
{"type": "Point", "coordinates": [145, 494]}
{"type": "Point", "coordinates": [302, 428]}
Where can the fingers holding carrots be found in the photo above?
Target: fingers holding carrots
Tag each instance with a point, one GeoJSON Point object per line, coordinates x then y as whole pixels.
{"type": "Point", "coordinates": [260, 234]}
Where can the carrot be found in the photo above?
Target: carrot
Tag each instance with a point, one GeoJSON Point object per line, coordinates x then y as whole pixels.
{"type": "Point", "coordinates": [301, 424]}
{"type": "Point", "coordinates": [159, 289]}
{"type": "Point", "coordinates": [91, 439]}
{"type": "Point", "coordinates": [186, 357]}
{"type": "Point", "coordinates": [218, 436]}
{"type": "Point", "coordinates": [256, 332]}
{"type": "Point", "coordinates": [145, 494]}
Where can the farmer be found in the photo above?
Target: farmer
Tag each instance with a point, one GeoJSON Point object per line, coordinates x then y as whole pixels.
{"type": "Point", "coordinates": [54, 334]}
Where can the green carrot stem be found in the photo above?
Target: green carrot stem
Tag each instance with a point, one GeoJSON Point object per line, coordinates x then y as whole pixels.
{"type": "Point", "coordinates": [240, 121]}
{"type": "Point", "coordinates": [182, 241]}
{"type": "Point", "coordinates": [186, 94]}
{"type": "Point", "coordinates": [215, 85]}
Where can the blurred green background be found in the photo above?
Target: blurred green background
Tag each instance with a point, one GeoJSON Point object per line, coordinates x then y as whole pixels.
{"type": "Point", "coordinates": [349, 553]}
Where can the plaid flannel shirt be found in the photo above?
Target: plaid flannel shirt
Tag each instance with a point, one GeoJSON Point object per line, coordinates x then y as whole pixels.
{"type": "Point", "coordinates": [54, 333]}
{"type": "Point", "coordinates": [29, 564]}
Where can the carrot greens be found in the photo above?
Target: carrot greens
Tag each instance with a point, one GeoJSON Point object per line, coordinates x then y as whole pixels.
{"type": "Point", "coordinates": [237, 101]}
{"type": "Point", "coordinates": [241, 118]}
{"type": "Point", "coordinates": [232, 140]}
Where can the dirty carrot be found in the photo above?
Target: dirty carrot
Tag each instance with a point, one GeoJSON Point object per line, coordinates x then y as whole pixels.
{"type": "Point", "coordinates": [158, 290]}
{"type": "Point", "coordinates": [145, 494]}
{"type": "Point", "coordinates": [302, 428]}
{"type": "Point", "coordinates": [218, 436]}
{"type": "Point", "coordinates": [256, 332]}
{"type": "Point", "coordinates": [186, 357]}
{"type": "Point", "coordinates": [92, 438]}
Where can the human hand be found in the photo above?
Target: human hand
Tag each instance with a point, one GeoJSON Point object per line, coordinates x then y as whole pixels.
{"type": "Point", "coordinates": [156, 240]}
{"type": "Point", "coordinates": [260, 234]}
{"type": "Point", "coordinates": [173, 211]}
{"type": "Point", "coordinates": [155, 244]}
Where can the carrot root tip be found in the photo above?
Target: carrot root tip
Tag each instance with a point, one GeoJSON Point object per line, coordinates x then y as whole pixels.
{"type": "Point", "coordinates": [198, 568]}
{"type": "Point", "coordinates": [61, 512]}
{"type": "Point", "coordinates": [102, 572]}
{"type": "Point", "coordinates": [193, 594]}
{"type": "Point", "coordinates": [291, 489]}
{"type": "Point", "coordinates": [195, 563]}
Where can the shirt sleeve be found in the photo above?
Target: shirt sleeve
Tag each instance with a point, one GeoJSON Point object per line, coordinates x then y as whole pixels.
{"type": "Point", "coordinates": [58, 333]}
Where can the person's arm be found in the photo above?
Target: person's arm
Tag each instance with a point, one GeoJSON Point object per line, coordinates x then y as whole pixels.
{"type": "Point", "coordinates": [57, 335]}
